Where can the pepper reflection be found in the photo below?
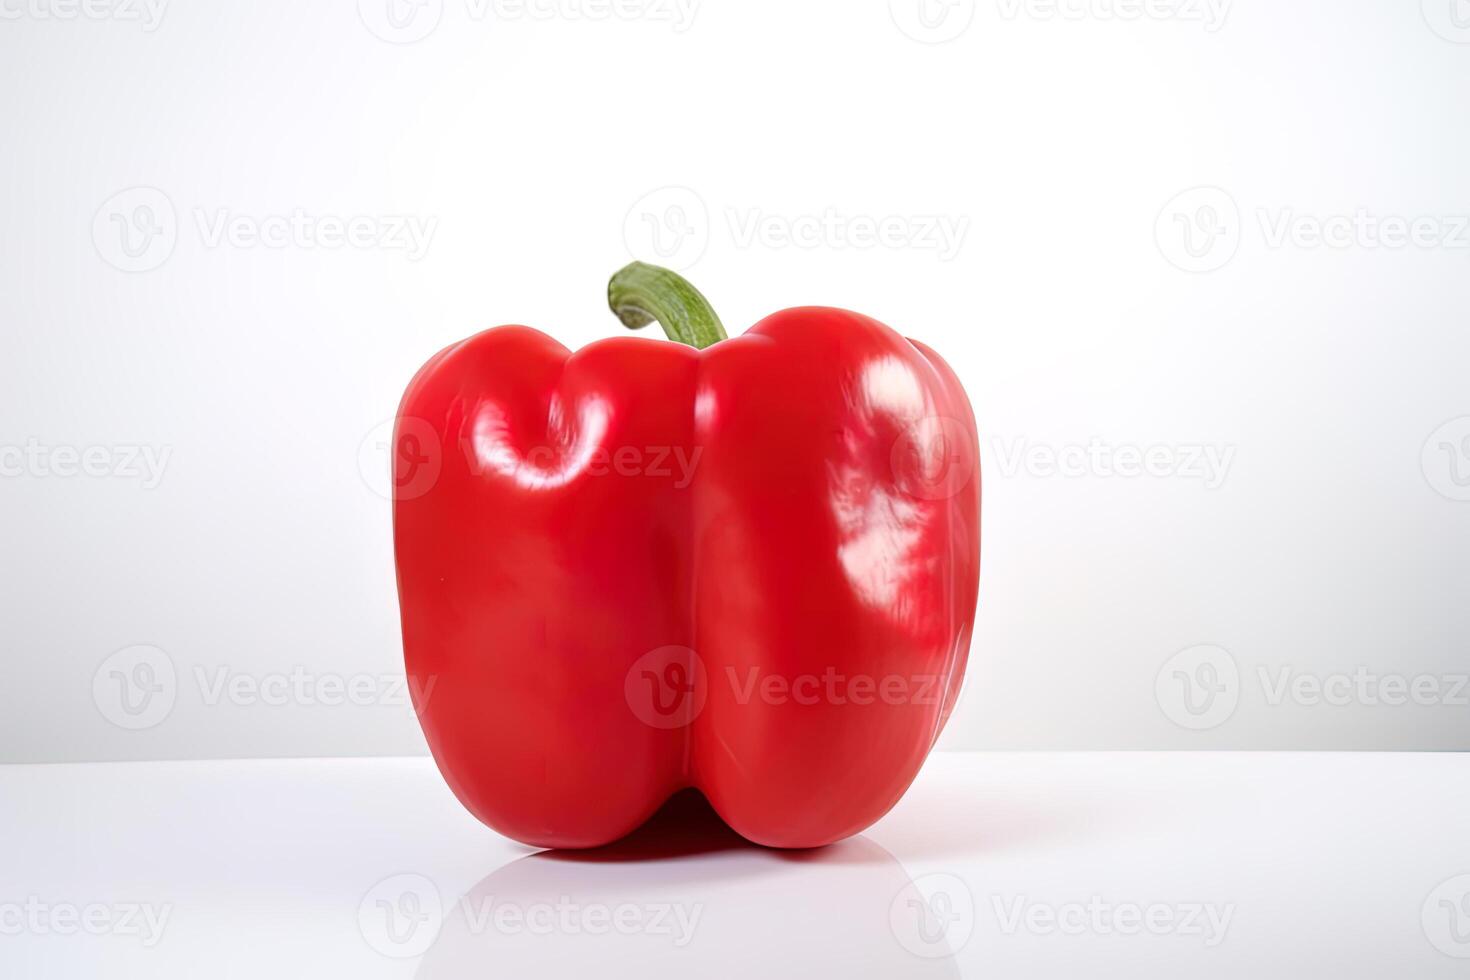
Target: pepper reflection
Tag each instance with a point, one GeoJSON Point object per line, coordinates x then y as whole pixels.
{"type": "Point", "coordinates": [686, 896]}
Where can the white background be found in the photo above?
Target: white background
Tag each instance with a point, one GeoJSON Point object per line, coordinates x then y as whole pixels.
{"type": "Point", "coordinates": [1353, 866]}
{"type": "Point", "coordinates": [1093, 295]}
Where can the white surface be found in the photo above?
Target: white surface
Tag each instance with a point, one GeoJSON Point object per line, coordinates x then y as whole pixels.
{"type": "Point", "coordinates": [1059, 143]}
{"type": "Point", "coordinates": [1340, 865]}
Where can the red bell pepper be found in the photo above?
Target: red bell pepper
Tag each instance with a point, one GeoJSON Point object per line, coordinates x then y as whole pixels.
{"type": "Point", "coordinates": [747, 566]}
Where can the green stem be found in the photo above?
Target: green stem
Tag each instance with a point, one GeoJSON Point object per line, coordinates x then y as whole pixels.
{"type": "Point", "coordinates": [640, 294]}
